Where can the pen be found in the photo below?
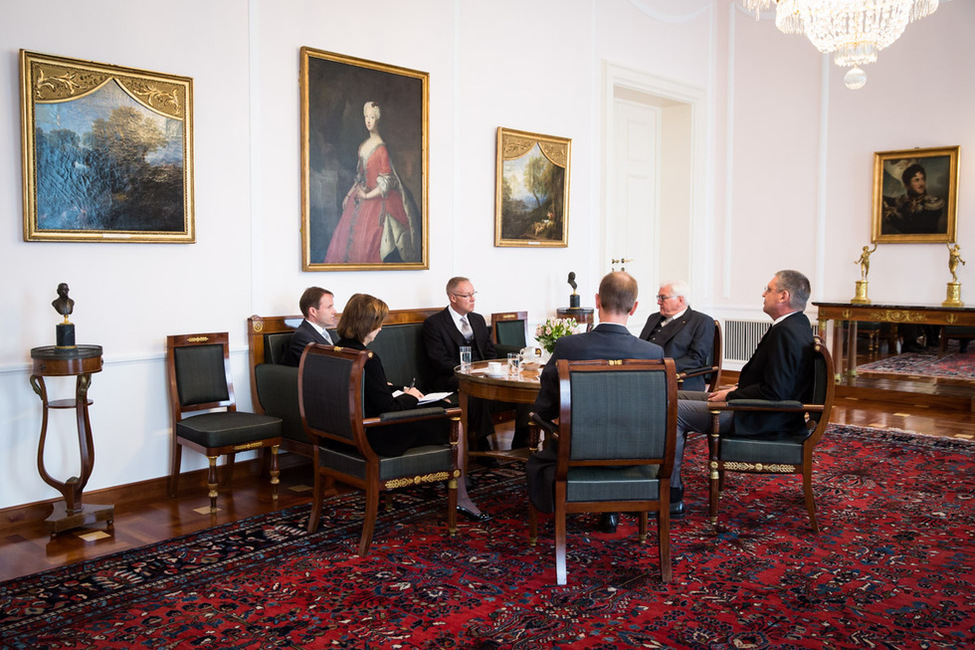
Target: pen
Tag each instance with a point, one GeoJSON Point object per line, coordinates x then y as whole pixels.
{"type": "Point", "coordinates": [412, 383]}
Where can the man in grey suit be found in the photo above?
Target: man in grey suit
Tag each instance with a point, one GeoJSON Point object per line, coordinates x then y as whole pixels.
{"type": "Point", "coordinates": [318, 307]}
{"type": "Point", "coordinates": [615, 302]}
{"type": "Point", "coordinates": [687, 336]}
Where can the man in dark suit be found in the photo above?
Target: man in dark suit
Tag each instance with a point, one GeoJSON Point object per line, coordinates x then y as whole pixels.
{"type": "Point", "coordinates": [318, 307]}
{"type": "Point", "coordinates": [687, 336]}
{"type": "Point", "coordinates": [443, 335]}
{"type": "Point", "coordinates": [615, 302]}
{"type": "Point", "coordinates": [780, 369]}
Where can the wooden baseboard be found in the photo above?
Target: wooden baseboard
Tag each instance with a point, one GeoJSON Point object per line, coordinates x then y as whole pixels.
{"type": "Point", "coordinates": [154, 489]}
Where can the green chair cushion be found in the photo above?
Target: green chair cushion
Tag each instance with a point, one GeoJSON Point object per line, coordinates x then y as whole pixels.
{"type": "Point", "coordinates": [213, 430]}
{"type": "Point", "coordinates": [635, 483]}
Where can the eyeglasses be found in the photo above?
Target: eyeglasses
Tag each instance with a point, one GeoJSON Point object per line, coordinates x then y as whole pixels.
{"type": "Point", "coordinates": [661, 298]}
{"type": "Point", "coordinates": [466, 296]}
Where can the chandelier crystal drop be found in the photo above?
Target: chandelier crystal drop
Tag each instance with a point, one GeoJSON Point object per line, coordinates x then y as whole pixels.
{"type": "Point", "coordinates": [854, 31]}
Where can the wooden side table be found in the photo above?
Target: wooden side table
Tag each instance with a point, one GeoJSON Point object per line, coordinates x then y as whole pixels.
{"type": "Point", "coordinates": [79, 361]}
{"type": "Point", "coordinates": [582, 315]}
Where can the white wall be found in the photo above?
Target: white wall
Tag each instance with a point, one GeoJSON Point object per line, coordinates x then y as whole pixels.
{"type": "Point", "coordinates": [789, 159]}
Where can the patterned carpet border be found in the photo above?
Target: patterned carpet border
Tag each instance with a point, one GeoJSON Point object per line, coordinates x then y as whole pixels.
{"type": "Point", "coordinates": [893, 567]}
{"type": "Point", "coordinates": [953, 365]}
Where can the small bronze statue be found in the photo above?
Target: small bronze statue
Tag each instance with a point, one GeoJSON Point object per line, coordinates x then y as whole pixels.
{"type": "Point", "coordinates": [954, 256]}
{"type": "Point", "coordinates": [64, 306]}
{"type": "Point", "coordinates": [574, 297]}
{"type": "Point", "coordinates": [864, 261]}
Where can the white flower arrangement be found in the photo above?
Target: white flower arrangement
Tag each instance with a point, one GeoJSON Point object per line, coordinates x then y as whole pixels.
{"type": "Point", "coordinates": [552, 330]}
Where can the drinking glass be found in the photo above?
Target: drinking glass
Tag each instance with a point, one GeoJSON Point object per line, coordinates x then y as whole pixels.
{"type": "Point", "coordinates": [465, 358]}
{"type": "Point", "coordinates": [514, 365]}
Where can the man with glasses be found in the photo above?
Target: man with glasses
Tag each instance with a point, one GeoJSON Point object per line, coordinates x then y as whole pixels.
{"type": "Point", "coordinates": [443, 335]}
{"type": "Point", "coordinates": [780, 369]}
{"type": "Point", "coordinates": [687, 336]}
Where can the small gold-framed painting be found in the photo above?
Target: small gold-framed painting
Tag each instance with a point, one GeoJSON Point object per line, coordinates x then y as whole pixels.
{"type": "Point", "coordinates": [107, 152]}
{"type": "Point", "coordinates": [532, 190]}
{"type": "Point", "coordinates": [364, 164]}
{"type": "Point", "coordinates": [915, 196]}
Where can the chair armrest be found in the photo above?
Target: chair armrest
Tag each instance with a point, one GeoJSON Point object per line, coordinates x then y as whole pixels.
{"type": "Point", "coordinates": [695, 372]}
{"type": "Point", "coordinates": [410, 415]}
{"type": "Point", "coordinates": [760, 405]}
{"type": "Point", "coordinates": [536, 423]}
{"type": "Point", "coordinates": [548, 427]}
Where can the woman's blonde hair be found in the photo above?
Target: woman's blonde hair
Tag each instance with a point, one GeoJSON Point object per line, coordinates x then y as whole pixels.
{"type": "Point", "coordinates": [362, 314]}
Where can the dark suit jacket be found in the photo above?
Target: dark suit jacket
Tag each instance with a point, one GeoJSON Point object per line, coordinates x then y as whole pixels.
{"type": "Point", "coordinates": [606, 341]}
{"type": "Point", "coordinates": [303, 335]}
{"type": "Point", "coordinates": [689, 341]}
{"type": "Point", "coordinates": [442, 340]}
{"type": "Point", "coordinates": [780, 369]}
{"type": "Point", "coordinates": [377, 394]}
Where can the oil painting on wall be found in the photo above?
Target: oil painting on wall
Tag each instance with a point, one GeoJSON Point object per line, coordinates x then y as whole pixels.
{"type": "Point", "coordinates": [532, 190]}
{"type": "Point", "coordinates": [107, 152]}
{"type": "Point", "coordinates": [364, 164]}
{"type": "Point", "coordinates": [915, 194]}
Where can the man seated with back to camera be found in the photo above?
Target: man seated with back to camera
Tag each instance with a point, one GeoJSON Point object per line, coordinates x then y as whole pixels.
{"type": "Point", "coordinates": [610, 339]}
{"type": "Point", "coordinates": [687, 336]}
{"type": "Point", "coordinates": [318, 307]}
{"type": "Point", "coordinates": [780, 369]}
{"type": "Point", "coordinates": [443, 335]}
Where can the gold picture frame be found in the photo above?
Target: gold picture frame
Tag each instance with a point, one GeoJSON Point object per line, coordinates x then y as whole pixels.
{"type": "Point", "coordinates": [107, 152]}
{"type": "Point", "coordinates": [915, 196]}
{"type": "Point", "coordinates": [531, 168]}
{"type": "Point", "coordinates": [364, 164]}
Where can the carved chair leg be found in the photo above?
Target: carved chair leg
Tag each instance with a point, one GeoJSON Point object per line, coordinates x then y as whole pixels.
{"type": "Point", "coordinates": [532, 524]}
{"type": "Point", "coordinates": [663, 542]}
{"type": "Point", "coordinates": [560, 571]}
{"type": "Point", "coordinates": [642, 526]}
{"type": "Point", "coordinates": [715, 475]}
{"type": "Point", "coordinates": [810, 499]}
{"type": "Point", "coordinates": [317, 502]}
{"type": "Point", "coordinates": [174, 467]}
{"type": "Point", "coordinates": [452, 506]}
{"type": "Point", "coordinates": [275, 472]}
{"type": "Point", "coordinates": [369, 524]}
{"type": "Point", "coordinates": [212, 483]}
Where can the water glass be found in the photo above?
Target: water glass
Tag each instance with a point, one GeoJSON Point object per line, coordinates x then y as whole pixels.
{"type": "Point", "coordinates": [465, 358]}
{"type": "Point", "coordinates": [514, 365]}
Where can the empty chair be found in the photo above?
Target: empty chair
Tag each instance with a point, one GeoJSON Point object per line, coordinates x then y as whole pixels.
{"type": "Point", "coordinates": [509, 331]}
{"type": "Point", "coordinates": [200, 380]}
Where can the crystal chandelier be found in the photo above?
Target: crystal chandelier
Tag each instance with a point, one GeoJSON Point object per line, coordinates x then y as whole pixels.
{"type": "Point", "coordinates": [853, 30]}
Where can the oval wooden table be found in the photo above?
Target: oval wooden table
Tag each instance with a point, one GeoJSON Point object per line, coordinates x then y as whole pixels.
{"type": "Point", "coordinates": [478, 383]}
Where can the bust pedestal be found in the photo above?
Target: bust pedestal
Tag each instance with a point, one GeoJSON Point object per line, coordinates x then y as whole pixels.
{"type": "Point", "coordinates": [78, 361]}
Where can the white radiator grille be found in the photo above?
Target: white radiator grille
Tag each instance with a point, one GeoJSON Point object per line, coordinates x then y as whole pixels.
{"type": "Point", "coordinates": [741, 337]}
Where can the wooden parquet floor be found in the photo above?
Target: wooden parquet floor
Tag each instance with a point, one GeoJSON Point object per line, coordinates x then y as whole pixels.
{"type": "Point", "coordinates": [26, 547]}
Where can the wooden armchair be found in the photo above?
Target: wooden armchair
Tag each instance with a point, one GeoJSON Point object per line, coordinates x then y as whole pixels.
{"type": "Point", "coordinates": [330, 399]}
{"type": "Point", "coordinates": [789, 452]}
{"type": "Point", "coordinates": [509, 331]}
{"type": "Point", "coordinates": [616, 443]}
{"type": "Point", "coordinates": [200, 380]}
{"type": "Point", "coordinates": [712, 365]}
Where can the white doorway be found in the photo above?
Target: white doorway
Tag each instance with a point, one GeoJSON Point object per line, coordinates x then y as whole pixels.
{"type": "Point", "coordinates": [652, 179]}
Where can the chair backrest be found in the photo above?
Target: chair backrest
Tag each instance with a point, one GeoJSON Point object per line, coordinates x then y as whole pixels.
{"type": "Point", "coordinates": [717, 357]}
{"type": "Point", "coordinates": [617, 412]}
{"type": "Point", "coordinates": [401, 348]}
{"type": "Point", "coordinates": [199, 371]}
{"type": "Point", "coordinates": [330, 392]}
{"type": "Point", "coordinates": [822, 390]}
{"type": "Point", "coordinates": [510, 328]}
{"type": "Point", "coordinates": [276, 346]}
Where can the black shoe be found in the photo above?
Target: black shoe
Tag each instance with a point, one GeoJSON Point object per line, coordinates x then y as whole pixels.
{"type": "Point", "coordinates": [677, 510]}
{"type": "Point", "coordinates": [676, 495]}
{"type": "Point", "coordinates": [609, 522]}
{"type": "Point", "coordinates": [473, 517]}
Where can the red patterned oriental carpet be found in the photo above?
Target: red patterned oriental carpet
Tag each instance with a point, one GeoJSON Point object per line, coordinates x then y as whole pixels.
{"type": "Point", "coordinates": [954, 365]}
{"type": "Point", "coordinates": [893, 567]}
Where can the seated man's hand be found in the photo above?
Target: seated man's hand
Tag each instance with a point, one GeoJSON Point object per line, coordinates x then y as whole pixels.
{"type": "Point", "coordinates": [720, 396]}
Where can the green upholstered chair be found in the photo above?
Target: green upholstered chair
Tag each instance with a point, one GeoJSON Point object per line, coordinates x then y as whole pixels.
{"type": "Point", "coordinates": [617, 436]}
{"type": "Point", "coordinates": [200, 380]}
{"type": "Point", "coordinates": [787, 452]}
{"type": "Point", "coordinates": [330, 398]}
{"type": "Point", "coordinates": [509, 331]}
{"type": "Point", "coordinates": [712, 364]}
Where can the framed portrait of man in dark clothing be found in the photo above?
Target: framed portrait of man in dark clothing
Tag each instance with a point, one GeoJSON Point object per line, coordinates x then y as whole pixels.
{"type": "Point", "coordinates": [915, 194]}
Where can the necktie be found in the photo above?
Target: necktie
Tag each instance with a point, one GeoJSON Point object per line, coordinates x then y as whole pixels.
{"type": "Point", "coordinates": [328, 339]}
{"type": "Point", "coordinates": [465, 328]}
